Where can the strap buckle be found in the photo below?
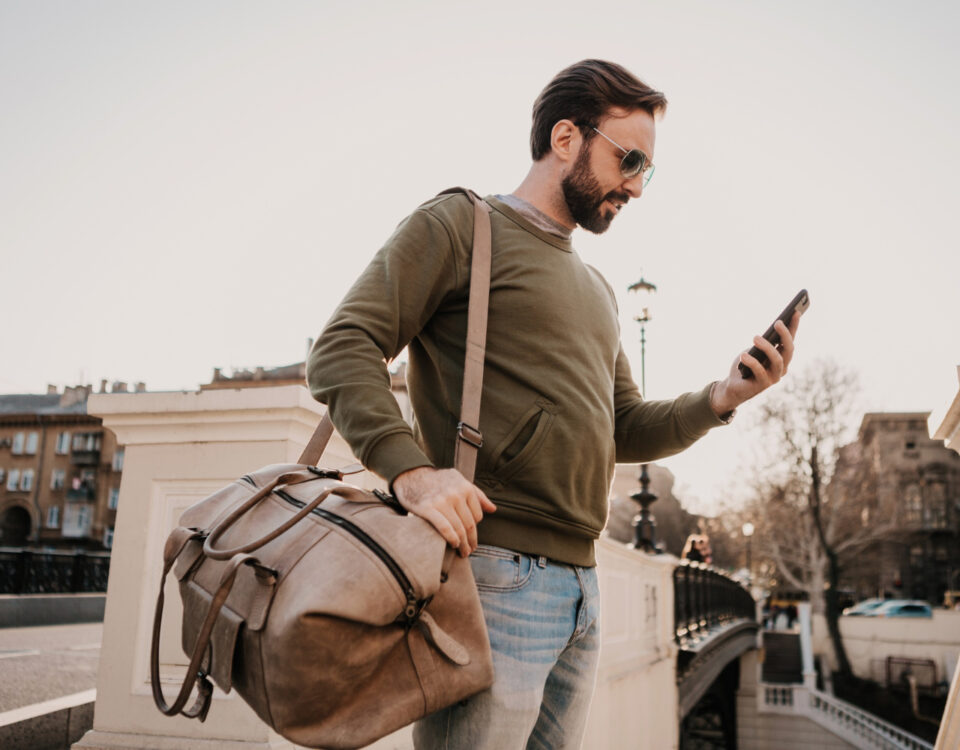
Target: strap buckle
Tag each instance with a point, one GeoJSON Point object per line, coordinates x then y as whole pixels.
{"type": "Point", "coordinates": [470, 435]}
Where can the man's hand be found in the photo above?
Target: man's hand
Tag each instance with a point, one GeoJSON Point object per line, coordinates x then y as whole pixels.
{"type": "Point", "coordinates": [447, 500]}
{"type": "Point", "coordinates": [730, 393]}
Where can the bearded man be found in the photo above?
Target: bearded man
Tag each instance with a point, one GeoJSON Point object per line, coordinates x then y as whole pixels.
{"type": "Point", "coordinates": [559, 406]}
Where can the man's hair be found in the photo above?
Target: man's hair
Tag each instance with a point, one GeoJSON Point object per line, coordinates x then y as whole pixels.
{"type": "Point", "coordinates": [584, 93]}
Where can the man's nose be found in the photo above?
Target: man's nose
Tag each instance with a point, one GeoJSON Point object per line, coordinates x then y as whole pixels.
{"type": "Point", "coordinates": [634, 186]}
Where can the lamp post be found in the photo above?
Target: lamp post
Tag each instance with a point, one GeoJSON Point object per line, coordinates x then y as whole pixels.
{"type": "Point", "coordinates": [644, 525]}
{"type": "Point", "coordinates": [747, 531]}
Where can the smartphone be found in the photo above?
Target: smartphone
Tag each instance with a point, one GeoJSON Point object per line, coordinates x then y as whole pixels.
{"type": "Point", "coordinates": [799, 304]}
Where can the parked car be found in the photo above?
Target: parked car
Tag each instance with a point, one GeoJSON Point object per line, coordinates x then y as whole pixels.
{"type": "Point", "coordinates": [865, 607]}
{"type": "Point", "coordinates": [902, 608]}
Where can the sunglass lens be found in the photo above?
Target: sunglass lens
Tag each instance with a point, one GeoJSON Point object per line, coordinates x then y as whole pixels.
{"type": "Point", "coordinates": [633, 163]}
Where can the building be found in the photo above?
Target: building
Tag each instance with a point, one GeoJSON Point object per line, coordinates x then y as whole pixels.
{"type": "Point", "coordinates": [59, 471]}
{"type": "Point", "coordinates": [908, 483]}
{"type": "Point", "coordinates": [296, 374]}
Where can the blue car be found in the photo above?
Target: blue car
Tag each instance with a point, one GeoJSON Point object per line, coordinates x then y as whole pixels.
{"type": "Point", "coordinates": [902, 608]}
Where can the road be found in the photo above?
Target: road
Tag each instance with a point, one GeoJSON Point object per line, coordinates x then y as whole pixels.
{"type": "Point", "coordinates": [38, 664]}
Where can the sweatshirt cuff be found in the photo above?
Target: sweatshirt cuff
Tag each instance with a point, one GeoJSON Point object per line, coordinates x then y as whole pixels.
{"type": "Point", "coordinates": [699, 416]}
{"type": "Point", "coordinates": [396, 454]}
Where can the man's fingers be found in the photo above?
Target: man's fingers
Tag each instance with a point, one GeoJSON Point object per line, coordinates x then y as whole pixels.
{"type": "Point", "coordinates": [760, 373]}
{"type": "Point", "coordinates": [485, 503]}
{"type": "Point", "coordinates": [794, 324]}
{"type": "Point", "coordinates": [775, 368]}
{"type": "Point", "coordinates": [473, 505]}
{"type": "Point", "coordinates": [443, 526]}
{"type": "Point", "coordinates": [469, 524]}
{"type": "Point", "coordinates": [462, 543]}
{"type": "Point", "coordinates": [786, 344]}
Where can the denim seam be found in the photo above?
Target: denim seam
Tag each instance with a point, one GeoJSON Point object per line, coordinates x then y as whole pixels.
{"type": "Point", "coordinates": [580, 629]}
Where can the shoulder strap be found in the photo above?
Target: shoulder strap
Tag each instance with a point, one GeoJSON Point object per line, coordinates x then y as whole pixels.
{"type": "Point", "coordinates": [469, 438]}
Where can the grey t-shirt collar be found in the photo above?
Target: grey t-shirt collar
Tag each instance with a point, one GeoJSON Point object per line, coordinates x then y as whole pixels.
{"type": "Point", "coordinates": [536, 217]}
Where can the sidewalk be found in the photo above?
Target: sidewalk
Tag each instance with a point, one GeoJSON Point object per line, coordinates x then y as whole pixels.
{"type": "Point", "coordinates": [42, 663]}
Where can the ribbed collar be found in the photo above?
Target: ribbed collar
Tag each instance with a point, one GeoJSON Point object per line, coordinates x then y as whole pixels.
{"type": "Point", "coordinates": [558, 242]}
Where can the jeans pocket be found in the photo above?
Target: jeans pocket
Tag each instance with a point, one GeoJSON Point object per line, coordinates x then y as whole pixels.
{"type": "Point", "coordinates": [499, 569]}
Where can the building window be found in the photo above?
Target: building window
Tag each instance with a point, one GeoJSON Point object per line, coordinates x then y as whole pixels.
{"type": "Point", "coordinates": [13, 479]}
{"type": "Point", "coordinates": [83, 518]}
{"type": "Point", "coordinates": [17, 447]}
{"type": "Point", "coordinates": [57, 478]}
{"type": "Point", "coordinates": [86, 442]}
{"type": "Point", "coordinates": [114, 498]}
{"type": "Point", "coordinates": [118, 460]}
{"type": "Point", "coordinates": [63, 443]}
{"type": "Point", "coordinates": [53, 516]}
{"type": "Point", "coordinates": [937, 505]}
{"type": "Point", "coordinates": [913, 504]}
{"type": "Point", "coordinates": [33, 439]}
{"type": "Point", "coordinates": [108, 537]}
{"type": "Point", "coordinates": [26, 481]}
{"type": "Point", "coordinates": [3, 475]}
{"type": "Point", "coordinates": [916, 556]}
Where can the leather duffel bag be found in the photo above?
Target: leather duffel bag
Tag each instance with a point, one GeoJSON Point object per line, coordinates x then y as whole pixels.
{"type": "Point", "coordinates": [334, 614]}
{"type": "Point", "coordinates": [337, 627]}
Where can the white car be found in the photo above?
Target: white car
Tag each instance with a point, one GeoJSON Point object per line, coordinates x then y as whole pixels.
{"type": "Point", "coordinates": [866, 607]}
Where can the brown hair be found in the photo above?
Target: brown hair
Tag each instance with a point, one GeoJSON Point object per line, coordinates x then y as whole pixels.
{"type": "Point", "coordinates": [584, 93]}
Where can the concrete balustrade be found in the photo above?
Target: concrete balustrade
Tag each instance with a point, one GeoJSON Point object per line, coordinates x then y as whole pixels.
{"type": "Point", "coordinates": [181, 447]}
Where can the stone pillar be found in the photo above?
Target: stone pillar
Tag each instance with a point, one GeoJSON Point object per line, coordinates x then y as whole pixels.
{"type": "Point", "coordinates": [180, 448]}
{"type": "Point", "coordinates": [806, 645]}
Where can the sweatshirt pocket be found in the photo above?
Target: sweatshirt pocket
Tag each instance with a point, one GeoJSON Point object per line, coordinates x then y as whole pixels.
{"type": "Point", "coordinates": [524, 440]}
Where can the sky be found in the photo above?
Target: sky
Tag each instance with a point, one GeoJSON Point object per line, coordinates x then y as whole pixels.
{"type": "Point", "coordinates": [190, 185]}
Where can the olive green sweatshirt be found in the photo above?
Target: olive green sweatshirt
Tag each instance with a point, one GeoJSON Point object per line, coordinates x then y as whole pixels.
{"type": "Point", "coordinates": [559, 405]}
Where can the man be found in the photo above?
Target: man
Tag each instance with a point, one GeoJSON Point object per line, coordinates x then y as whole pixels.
{"type": "Point", "coordinates": [559, 406]}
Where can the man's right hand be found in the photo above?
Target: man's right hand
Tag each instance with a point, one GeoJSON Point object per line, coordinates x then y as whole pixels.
{"type": "Point", "coordinates": [447, 500]}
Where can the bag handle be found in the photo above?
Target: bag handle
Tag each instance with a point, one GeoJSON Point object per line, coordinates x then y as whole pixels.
{"type": "Point", "coordinates": [284, 479]}
{"type": "Point", "coordinates": [469, 437]}
{"type": "Point", "coordinates": [195, 674]}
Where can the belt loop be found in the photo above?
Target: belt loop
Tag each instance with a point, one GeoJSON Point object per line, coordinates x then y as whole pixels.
{"type": "Point", "coordinates": [541, 561]}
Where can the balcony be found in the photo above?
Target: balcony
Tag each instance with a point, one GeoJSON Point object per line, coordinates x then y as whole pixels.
{"type": "Point", "coordinates": [85, 457]}
{"type": "Point", "coordinates": [84, 493]}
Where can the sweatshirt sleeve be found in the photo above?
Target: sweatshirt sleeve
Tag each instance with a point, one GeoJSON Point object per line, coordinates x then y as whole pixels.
{"type": "Point", "coordinates": [648, 430]}
{"type": "Point", "coordinates": [387, 306]}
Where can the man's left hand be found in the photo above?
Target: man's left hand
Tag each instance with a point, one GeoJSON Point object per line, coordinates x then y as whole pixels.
{"type": "Point", "coordinates": [730, 393]}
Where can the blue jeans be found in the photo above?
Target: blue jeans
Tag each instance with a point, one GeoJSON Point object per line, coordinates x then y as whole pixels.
{"type": "Point", "coordinates": [542, 617]}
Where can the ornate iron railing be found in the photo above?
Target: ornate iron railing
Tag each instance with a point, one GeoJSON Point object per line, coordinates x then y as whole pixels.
{"type": "Point", "coordinates": [34, 572]}
{"type": "Point", "coordinates": [704, 598]}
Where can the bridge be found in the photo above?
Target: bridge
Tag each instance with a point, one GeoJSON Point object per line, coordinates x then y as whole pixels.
{"type": "Point", "coordinates": [679, 664]}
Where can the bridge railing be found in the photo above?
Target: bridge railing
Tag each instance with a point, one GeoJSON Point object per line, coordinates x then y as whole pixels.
{"type": "Point", "coordinates": [35, 572]}
{"type": "Point", "coordinates": [843, 719]}
{"type": "Point", "coordinates": [704, 598]}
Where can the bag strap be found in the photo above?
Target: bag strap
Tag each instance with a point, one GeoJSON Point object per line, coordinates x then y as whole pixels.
{"type": "Point", "coordinates": [196, 674]}
{"type": "Point", "coordinates": [469, 437]}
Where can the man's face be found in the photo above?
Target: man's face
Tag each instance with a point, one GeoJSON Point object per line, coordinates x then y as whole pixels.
{"type": "Point", "coordinates": [594, 189]}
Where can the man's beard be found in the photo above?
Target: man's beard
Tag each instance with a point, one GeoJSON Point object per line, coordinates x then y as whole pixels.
{"type": "Point", "coordinates": [584, 198]}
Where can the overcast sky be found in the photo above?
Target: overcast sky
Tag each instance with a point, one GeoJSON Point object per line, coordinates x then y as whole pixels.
{"type": "Point", "coordinates": [190, 185]}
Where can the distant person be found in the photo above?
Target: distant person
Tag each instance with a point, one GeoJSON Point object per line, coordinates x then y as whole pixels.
{"type": "Point", "coordinates": [697, 549]}
{"type": "Point", "coordinates": [791, 615]}
{"type": "Point", "coordinates": [559, 405]}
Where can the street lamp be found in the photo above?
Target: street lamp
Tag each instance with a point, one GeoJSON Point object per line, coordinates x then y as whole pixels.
{"type": "Point", "coordinates": [747, 531]}
{"type": "Point", "coordinates": [644, 525]}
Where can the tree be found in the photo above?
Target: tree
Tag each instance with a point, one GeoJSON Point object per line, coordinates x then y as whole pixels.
{"type": "Point", "coordinates": [811, 518]}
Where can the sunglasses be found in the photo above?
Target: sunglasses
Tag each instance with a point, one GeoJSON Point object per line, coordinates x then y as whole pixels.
{"type": "Point", "coordinates": [633, 163]}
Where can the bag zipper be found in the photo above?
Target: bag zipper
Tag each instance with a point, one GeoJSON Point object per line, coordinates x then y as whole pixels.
{"type": "Point", "coordinates": [413, 607]}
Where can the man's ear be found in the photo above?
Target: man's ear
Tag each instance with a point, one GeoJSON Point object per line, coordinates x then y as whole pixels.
{"type": "Point", "coordinates": [565, 140]}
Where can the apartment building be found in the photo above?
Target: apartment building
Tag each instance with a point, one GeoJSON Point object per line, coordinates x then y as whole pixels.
{"type": "Point", "coordinates": [59, 471]}
{"type": "Point", "coordinates": [914, 486]}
